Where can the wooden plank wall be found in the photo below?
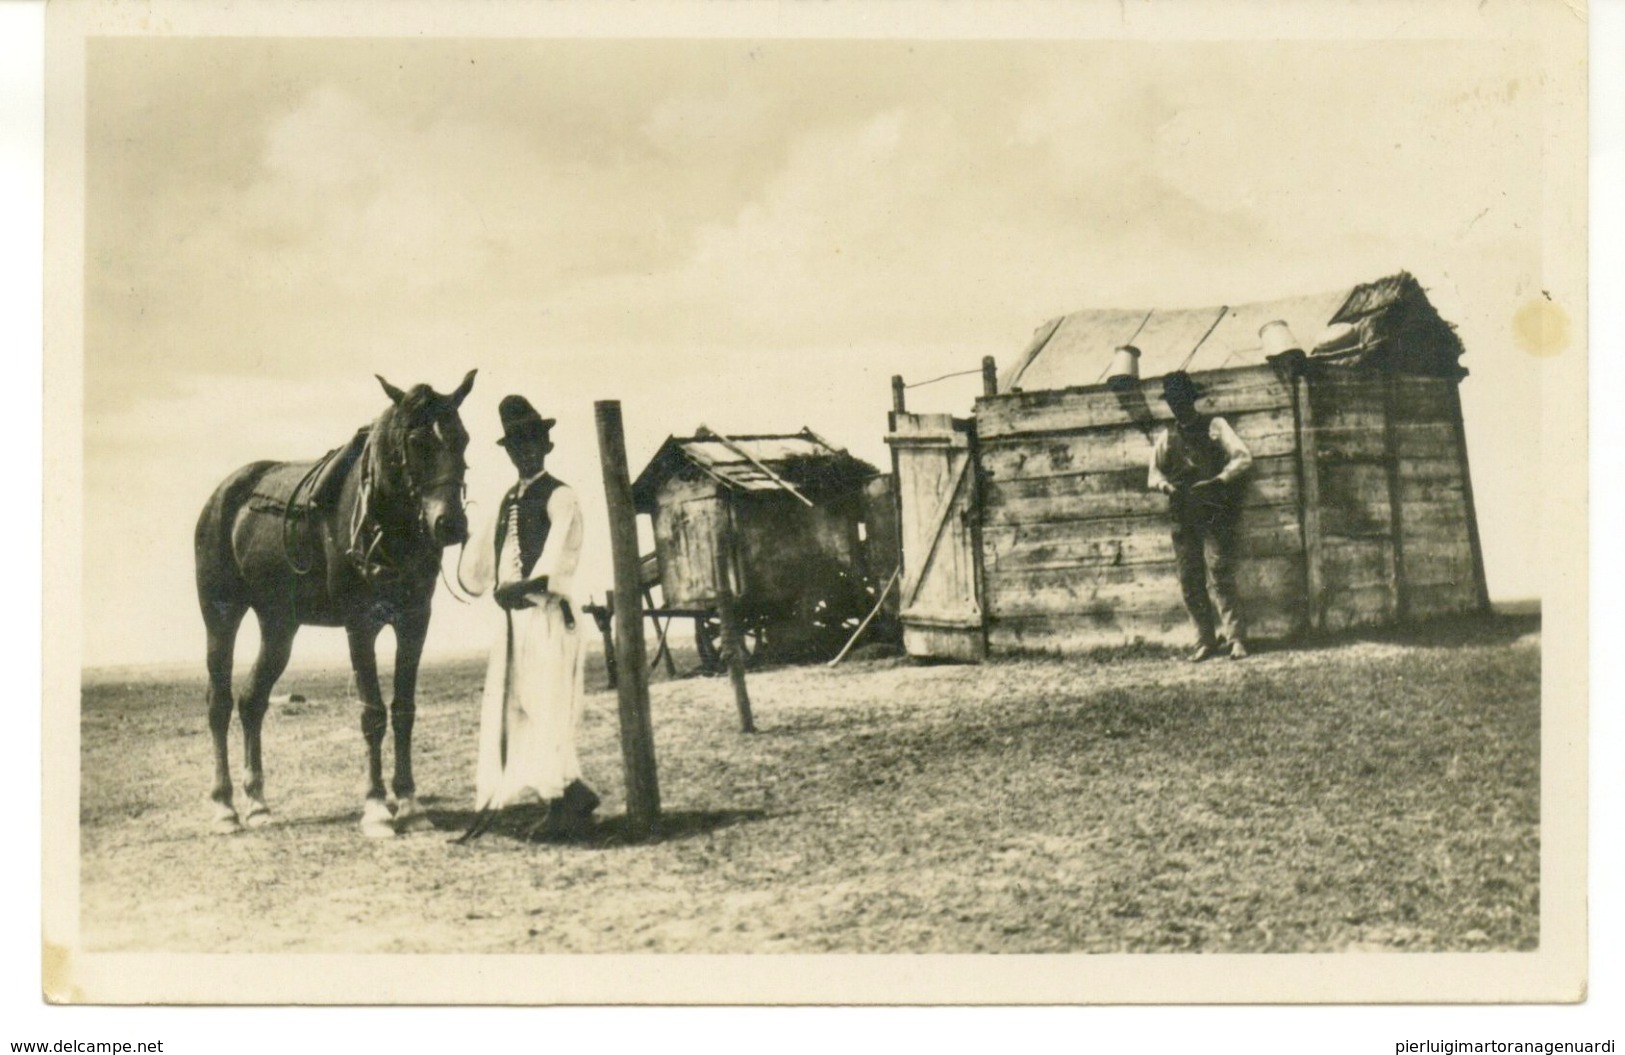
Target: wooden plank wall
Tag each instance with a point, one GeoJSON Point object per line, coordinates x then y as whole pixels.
{"type": "Point", "coordinates": [1077, 553]}
{"type": "Point", "coordinates": [1435, 516]}
{"type": "Point", "coordinates": [1356, 557]}
{"type": "Point", "coordinates": [882, 545]}
{"type": "Point", "coordinates": [1395, 522]}
{"type": "Point", "coordinates": [786, 547]}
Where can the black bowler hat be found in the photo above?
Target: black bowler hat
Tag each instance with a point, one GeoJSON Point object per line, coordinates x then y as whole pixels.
{"type": "Point", "coordinates": [520, 421]}
{"type": "Point", "coordinates": [1178, 386]}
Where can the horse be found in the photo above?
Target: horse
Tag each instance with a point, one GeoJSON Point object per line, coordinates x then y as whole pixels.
{"type": "Point", "coordinates": [354, 541]}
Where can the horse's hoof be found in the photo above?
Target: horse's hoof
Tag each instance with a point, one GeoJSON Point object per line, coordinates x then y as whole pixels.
{"type": "Point", "coordinates": [376, 820]}
{"type": "Point", "coordinates": [258, 817]}
{"type": "Point", "coordinates": [409, 817]}
{"type": "Point", "coordinates": [225, 820]}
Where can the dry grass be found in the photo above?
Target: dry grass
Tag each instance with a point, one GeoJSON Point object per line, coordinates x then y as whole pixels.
{"type": "Point", "coordinates": [1365, 794]}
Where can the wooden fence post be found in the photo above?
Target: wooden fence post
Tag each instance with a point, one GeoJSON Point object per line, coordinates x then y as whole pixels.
{"type": "Point", "coordinates": [632, 685]}
{"type": "Point", "coordinates": [602, 614]}
{"type": "Point", "coordinates": [733, 638]}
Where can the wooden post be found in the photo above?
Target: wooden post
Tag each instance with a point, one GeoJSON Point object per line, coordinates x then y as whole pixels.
{"type": "Point", "coordinates": [1289, 369]}
{"type": "Point", "coordinates": [990, 376]}
{"type": "Point", "coordinates": [601, 615]}
{"type": "Point", "coordinates": [733, 642]}
{"type": "Point", "coordinates": [1457, 422]}
{"type": "Point", "coordinates": [637, 733]}
{"type": "Point", "coordinates": [896, 467]}
{"type": "Point", "coordinates": [1309, 459]}
{"type": "Point", "coordinates": [1396, 525]}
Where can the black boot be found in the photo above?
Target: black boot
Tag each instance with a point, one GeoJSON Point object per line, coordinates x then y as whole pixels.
{"type": "Point", "coordinates": [581, 799]}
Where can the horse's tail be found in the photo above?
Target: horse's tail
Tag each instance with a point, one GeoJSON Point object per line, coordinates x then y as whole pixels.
{"type": "Point", "coordinates": [217, 574]}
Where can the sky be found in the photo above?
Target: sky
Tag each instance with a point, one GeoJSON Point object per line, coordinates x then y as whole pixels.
{"type": "Point", "coordinates": [749, 235]}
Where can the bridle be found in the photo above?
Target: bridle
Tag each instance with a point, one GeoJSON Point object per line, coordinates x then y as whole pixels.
{"type": "Point", "coordinates": [366, 550]}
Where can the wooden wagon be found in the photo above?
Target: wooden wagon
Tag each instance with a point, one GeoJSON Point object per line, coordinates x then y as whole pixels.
{"type": "Point", "coordinates": [1028, 526]}
{"type": "Point", "coordinates": [807, 531]}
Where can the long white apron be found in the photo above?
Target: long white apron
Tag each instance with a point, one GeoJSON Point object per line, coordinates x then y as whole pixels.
{"type": "Point", "coordinates": [531, 709]}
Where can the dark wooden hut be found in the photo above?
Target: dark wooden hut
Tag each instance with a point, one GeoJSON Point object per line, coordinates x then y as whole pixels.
{"type": "Point", "coordinates": [1029, 525]}
{"type": "Point", "coordinates": [803, 525]}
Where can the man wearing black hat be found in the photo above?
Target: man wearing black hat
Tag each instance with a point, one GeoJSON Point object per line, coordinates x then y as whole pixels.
{"type": "Point", "coordinates": [1198, 462]}
{"type": "Point", "coordinates": [532, 705]}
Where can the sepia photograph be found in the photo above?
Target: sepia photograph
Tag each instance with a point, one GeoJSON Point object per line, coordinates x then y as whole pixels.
{"type": "Point", "coordinates": [906, 507]}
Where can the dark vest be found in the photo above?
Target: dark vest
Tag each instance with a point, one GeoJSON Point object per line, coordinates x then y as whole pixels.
{"type": "Point", "coordinates": [534, 524]}
{"type": "Point", "coordinates": [1193, 455]}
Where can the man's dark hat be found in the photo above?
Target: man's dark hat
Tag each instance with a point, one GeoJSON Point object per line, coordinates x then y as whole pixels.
{"type": "Point", "coordinates": [520, 421]}
{"type": "Point", "coordinates": [1179, 385]}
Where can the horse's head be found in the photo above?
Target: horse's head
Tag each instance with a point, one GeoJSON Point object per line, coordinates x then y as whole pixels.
{"type": "Point", "coordinates": [425, 441]}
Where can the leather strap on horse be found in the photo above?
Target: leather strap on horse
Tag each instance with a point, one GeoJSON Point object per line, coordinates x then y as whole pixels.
{"type": "Point", "coordinates": [308, 494]}
{"type": "Point", "coordinates": [288, 510]}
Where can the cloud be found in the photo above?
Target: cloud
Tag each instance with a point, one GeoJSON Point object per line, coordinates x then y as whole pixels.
{"type": "Point", "coordinates": [360, 202]}
{"type": "Point", "coordinates": [696, 122]}
{"type": "Point", "coordinates": [755, 239]}
{"type": "Point", "coordinates": [1311, 152]}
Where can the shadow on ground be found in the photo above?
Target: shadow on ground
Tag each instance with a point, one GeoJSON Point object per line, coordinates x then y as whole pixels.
{"type": "Point", "coordinates": [1462, 631]}
{"type": "Point", "coordinates": [1485, 630]}
{"type": "Point", "coordinates": [519, 823]}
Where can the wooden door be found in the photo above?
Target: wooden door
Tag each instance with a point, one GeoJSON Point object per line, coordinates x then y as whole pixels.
{"type": "Point", "coordinates": [940, 599]}
{"type": "Point", "coordinates": [686, 528]}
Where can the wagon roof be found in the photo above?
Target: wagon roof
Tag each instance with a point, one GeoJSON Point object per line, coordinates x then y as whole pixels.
{"type": "Point", "coordinates": [1076, 349]}
{"type": "Point", "coordinates": [735, 462]}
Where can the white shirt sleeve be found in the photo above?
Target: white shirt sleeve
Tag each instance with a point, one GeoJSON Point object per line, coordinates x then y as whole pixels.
{"type": "Point", "coordinates": [562, 550]}
{"type": "Point", "coordinates": [1155, 480]}
{"type": "Point", "coordinates": [1240, 459]}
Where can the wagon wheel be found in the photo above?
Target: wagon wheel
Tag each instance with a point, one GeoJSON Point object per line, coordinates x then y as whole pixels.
{"type": "Point", "coordinates": [824, 618]}
{"type": "Point", "coordinates": [832, 624]}
{"type": "Point", "coordinates": [708, 642]}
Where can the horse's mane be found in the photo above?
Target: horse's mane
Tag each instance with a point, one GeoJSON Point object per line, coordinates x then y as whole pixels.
{"type": "Point", "coordinates": [378, 476]}
{"type": "Point", "coordinates": [418, 406]}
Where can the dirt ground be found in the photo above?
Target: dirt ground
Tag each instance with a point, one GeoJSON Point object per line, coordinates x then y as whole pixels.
{"type": "Point", "coordinates": [1359, 794]}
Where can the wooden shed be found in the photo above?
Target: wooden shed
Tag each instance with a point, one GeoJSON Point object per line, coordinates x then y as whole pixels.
{"type": "Point", "coordinates": [1029, 526]}
{"type": "Point", "coordinates": [792, 513]}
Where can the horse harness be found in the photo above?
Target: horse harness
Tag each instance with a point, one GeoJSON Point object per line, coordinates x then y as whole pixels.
{"type": "Point", "coordinates": [318, 491]}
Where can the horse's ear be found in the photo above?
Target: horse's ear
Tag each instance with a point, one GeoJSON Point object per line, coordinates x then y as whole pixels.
{"type": "Point", "coordinates": [463, 389]}
{"type": "Point", "coordinates": [395, 395]}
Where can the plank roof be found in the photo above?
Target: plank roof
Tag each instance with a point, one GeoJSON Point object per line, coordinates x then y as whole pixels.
{"type": "Point", "coordinates": [734, 462]}
{"type": "Point", "coordinates": [1076, 349]}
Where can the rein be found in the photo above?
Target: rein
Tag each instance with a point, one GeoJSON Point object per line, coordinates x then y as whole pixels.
{"type": "Point", "coordinates": [461, 550]}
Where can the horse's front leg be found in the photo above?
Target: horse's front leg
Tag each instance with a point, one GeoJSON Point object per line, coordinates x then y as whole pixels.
{"type": "Point", "coordinates": [376, 821]}
{"type": "Point", "coordinates": [410, 633]}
